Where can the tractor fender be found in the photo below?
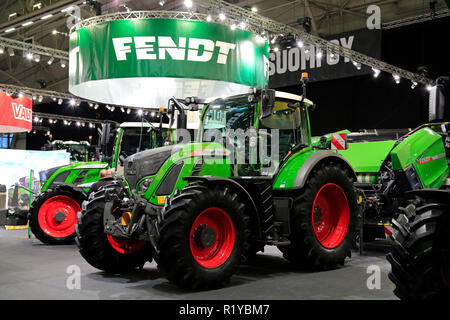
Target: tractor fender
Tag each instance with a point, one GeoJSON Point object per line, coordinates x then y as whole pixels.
{"type": "Point", "coordinates": [314, 160]}
{"type": "Point", "coordinates": [70, 187]}
{"type": "Point", "coordinates": [236, 186]}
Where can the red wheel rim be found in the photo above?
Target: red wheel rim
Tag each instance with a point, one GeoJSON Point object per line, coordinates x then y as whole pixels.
{"type": "Point", "coordinates": [58, 215]}
{"type": "Point", "coordinates": [330, 215]}
{"type": "Point", "coordinates": [122, 245]}
{"type": "Point", "coordinates": [216, 252]}
{"type": "Point", "coordinates": [125, 246]}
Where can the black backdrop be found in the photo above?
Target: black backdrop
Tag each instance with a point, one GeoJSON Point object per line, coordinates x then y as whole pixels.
{"type": "Point", "coordinates": [364, 102]}
{"type": "Point", "coordinates": [361, 102]}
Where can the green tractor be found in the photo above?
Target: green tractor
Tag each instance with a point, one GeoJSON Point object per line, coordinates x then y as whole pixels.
{"type": "Point", "coordinates": [79, 151]}
{"type": "Point", "coordinates": [252, 178]}
{"type": "Point", "coordinates": [52, 214]}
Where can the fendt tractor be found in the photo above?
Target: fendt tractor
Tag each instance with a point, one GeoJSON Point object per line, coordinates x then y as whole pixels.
{"type": "Point", "coordinates": [52, 214]}
{"type": "Point", "coordinates": [79, 151]}
{"type": "Point", "coordinates": [200, 212]}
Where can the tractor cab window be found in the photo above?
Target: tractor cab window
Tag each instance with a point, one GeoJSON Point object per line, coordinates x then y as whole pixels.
{"type": "Point", "coordinates": [131, 139]}
{"type": "Point", "coordinates": [224, 115]}
{"type": "Point", "coordinates": [291, 125]}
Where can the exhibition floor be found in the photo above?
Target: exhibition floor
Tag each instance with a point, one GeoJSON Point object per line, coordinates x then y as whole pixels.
{"type": "Point", "coordinates": [32, 270]}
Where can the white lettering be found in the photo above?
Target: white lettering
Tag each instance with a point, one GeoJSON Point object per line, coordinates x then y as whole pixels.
{"type": "Point", "coordinates": [143, 48]}
{"type": "Point", "coordinates": [175, 52]}
{"type": "Point", "coordinates": [224, 49]}
{"type": "Point", "coordinates": [194, 46]}
{"type": "Point", "coordinates": [120, 48]}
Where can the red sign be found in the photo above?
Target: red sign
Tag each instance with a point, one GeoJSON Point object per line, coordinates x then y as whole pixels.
{"type": "Point", "coordinates": [16, 115]}
{"type": "Point", "coordinates": [339, 141]}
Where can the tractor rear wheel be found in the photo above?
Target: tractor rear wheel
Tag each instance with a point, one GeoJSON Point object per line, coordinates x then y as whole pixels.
{"type": "Point", "coordinates": [420, 253]}
{"type": "Point", "coordinates": [53, 215]}
{"type": "Point", "coordinates": [203, 236]}
{"type": "Point", "coordinates": [323, 219]}
{"type": "Point", "coordinates": [106, 252]}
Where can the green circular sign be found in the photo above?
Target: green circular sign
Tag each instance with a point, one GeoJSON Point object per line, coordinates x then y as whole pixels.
{"type": "Point", "coordinates": [144, 62]}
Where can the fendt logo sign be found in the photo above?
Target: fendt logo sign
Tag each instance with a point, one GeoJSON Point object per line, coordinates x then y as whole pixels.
{"type": "Point", "coordinates": [21, 113]}
{"type": "Point", "coordinates": [158, 48]}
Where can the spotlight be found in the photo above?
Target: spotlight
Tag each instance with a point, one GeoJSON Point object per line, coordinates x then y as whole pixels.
{"type": "Point", "coordinates": [72, 102]}
{"type": "Point", "coordinates": [188, 3]}
{"type": "Point", "coordinates": [222, 16]}
{"type": "Point", "coordinates": [319, 54]}
{"type": "Point", "coordinates": [11, 52]}
{"type": "Point", "coordinates": [113, 108]}
{"type": "Point", "coordinates": [122, 109]}
{"type": "Point", "coordinates": [40, 98]}
{"type": "Point", "coordinates": [254, 9]}
{"type": "Point", "coordinates": [153, 113]}
{"type": "Point", "coordinates": [357, 65]}
{"type": "Point", "coordinates": [276, 49]}
{"type": "Point", "coordinates": [2, 50]}
{"type": "Point", "coordinates": [140, 112]}
{"type": "Point", "coordinates": [396, 78]}
{"type": "Point", "coordinates": [162, 2]}
{"type": "Point", "coordinates": [54, 32]}
{"type": "Point", "coordinates": [233, 27]}
{"type": "Point", "coordinates": [54, 99]}
{"type": "Point", "coordinates": [429, 87]}
{"type": "Point", "coordinates": [20, 95]}
{"type": "Point", "coordinates": [242, 25]}
{"type": "Point", "coordinates": [60, 101]}
{"type": "Point", "coordinates": [10, 30]}
{"type": "Point", "coordinates": [36, 119]}
{"type": "Point", "coordinates": [29, 55]}
{"type": "Point", "coordinates": [208, 18]}
{"type": "Point", "coordinates": [50, 61]}
{"type": "Point", "coordinates": [376, 72]}
{"type": "Point", "coordinates": [96, 106]}
{"type": "Point", "coordinates": [63, 64]}
{"type": "Point", "coordinates": [413, 85]}
{"type": "Point", "coordinates": [34, 97]}
{"type": "Point", "coordinates": [300, 44]}
{"type": "Point", "coordinates": [78, 123]}
{"type": "Point", "coordinates": [128, 111]}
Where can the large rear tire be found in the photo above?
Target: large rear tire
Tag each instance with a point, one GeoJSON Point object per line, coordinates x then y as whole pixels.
{"type": "Point", "coordinates": [323, 219]}
{"type": "Point", "coordinates": [420, 253]}
{"type": "Point", "coordinates": [105, 252]}
{"type": "Point", "coordinates": [203, 236]}
{"type": "Point", "coordinates": [53, 215]}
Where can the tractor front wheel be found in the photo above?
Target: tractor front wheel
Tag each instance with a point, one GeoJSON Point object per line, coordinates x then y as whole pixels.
{"type": "Point", "coordinates": [323, 219]}
{"type": "Point", "coordinates": [53, 215]}
{"type": "Point", "coordinates": [203, 237]}
{"type": "Point", "coordinates": [105, 252]}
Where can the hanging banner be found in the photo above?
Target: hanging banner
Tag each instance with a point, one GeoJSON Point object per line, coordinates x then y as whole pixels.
{"type": "Point", "coordinates": [144, 62]}
{"type": "Point", "coordinates": [16, 115]}
{"type": "Point", "coordinates": [286, 65]}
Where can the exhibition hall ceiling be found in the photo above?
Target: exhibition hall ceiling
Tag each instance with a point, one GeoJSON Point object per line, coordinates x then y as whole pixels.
{"type": "Point", "coordinates": [37, 22]}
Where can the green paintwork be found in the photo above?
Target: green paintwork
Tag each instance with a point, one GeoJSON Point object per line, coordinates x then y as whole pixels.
{"type": "Point", "coordinates": [367, 156]}
{"type": "Point", "coordinates": [287, 174]}
{"type": "Point", "coordinates": [425, 151]}
{"type": "Point", "coordinates": [92, 175]}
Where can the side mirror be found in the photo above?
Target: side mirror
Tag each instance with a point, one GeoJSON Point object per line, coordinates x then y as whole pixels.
{"type": "Point", "coordinates": [267, 102]}
{"type": "Point", "coordinates": [437, 103]}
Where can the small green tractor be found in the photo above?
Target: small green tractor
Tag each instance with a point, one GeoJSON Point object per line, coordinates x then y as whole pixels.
{"type": "Point", "coordinates": [79, 151]}
{"type": "Point", "coordinates": [201, 209]}
{"type": "Point", "coordinates": [52, 214]}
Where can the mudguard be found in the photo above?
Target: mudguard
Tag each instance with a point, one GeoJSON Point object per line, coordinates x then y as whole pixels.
{"type": "Point", "coordinates": [295, 172]}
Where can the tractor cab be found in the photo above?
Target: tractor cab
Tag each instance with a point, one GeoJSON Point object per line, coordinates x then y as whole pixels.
{"type": "Point", "coordinates": [259, 129]}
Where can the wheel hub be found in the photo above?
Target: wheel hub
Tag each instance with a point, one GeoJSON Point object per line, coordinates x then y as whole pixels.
{"type": "Point", "coordinates": [59, 217]}
{"type": "Point", "coordinates": [205, 236]}
{"type": "Point", "coordinates": [318, 213]}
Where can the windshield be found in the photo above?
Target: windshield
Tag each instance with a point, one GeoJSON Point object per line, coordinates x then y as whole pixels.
{"type": "Point", "coordinates": [151, 138]}
{"type": "Point", "coordinates": [227, 114]}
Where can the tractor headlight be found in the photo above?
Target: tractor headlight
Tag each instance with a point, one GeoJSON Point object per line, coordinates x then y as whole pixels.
{"type": "Point", "coordinates": [144, 184]}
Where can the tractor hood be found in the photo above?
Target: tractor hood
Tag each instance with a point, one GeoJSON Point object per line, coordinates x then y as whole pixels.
{"type": "Point", "coordinates": [147, 163]}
